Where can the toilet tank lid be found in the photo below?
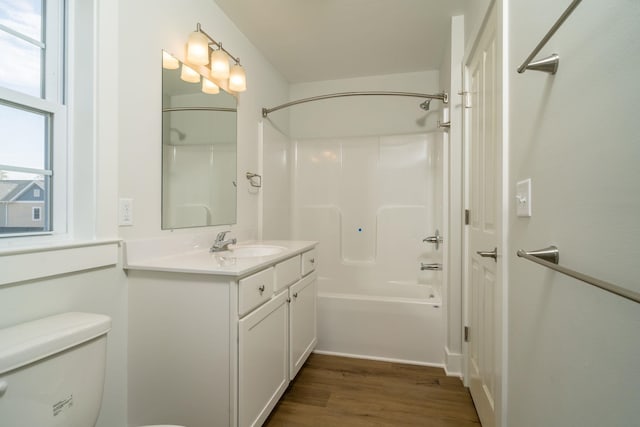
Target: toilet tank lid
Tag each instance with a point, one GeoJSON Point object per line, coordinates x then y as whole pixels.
{"type": "Point", "coordinates": [31, 341]}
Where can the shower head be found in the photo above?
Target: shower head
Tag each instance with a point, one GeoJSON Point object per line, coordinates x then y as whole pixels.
{"type": "Point", "coordinates": [425, 105]}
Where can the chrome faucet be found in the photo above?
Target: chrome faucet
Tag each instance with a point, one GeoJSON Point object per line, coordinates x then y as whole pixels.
{"type": "Point", "coordinates": [220, 244]}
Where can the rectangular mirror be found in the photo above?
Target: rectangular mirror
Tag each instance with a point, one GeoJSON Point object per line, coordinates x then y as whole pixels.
{"type": "Point", "coordinates": [198, 154]}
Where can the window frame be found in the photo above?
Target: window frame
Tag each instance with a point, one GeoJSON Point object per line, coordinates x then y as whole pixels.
{"type": "Point", "coordinates": [51, 103]}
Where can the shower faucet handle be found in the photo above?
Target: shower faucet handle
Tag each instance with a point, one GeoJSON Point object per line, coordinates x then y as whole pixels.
{"type": "Point", "coordinates": [437, 239]}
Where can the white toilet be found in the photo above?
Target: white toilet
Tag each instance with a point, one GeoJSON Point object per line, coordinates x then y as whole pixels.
{"type": "Point", "coordinates": [52, 371]}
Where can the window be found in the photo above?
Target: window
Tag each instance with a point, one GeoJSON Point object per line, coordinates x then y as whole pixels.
{"type": "Point", "coordinates": [33, 117]}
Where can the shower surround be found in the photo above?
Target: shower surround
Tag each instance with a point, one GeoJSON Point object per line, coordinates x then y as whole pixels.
{"type": "Point", "coordinates": [370, 202]}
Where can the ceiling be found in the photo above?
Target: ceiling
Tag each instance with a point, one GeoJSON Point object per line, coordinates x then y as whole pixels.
{"type": "Point", "coordinates": [313, 40]}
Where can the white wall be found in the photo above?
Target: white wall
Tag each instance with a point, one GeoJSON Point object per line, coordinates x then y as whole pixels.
{"type": "Point", "coordinates": [451, 80]}
{"type": "Point", "coordinates": [573, 349]}
{"type": "Point", "coordinates": [474, 14]}
{"type": "Point", "coordinates": [277, 159]}
{"type": "Point", "coordinates": [166, 25]}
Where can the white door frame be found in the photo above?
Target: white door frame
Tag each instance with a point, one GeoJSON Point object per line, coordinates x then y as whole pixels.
{"type": "Point", "coordinates": [502, 130]}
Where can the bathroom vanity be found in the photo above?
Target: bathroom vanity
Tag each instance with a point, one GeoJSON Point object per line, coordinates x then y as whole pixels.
{"type": "Point", "coordinates": [215, 338]}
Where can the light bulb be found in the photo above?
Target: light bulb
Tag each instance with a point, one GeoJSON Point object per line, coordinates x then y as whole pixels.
{"type": "Point", "coordinates": [219, 65]}
{"type": "Point", "coordinates": [169, 62]}
{"type": "Point", "coordinates": [198, 49]}
{"type": "Point", "coordinates": [190, 75]}
{"type": "Point", "coordinates": [209, 87]}
{"type": "Point", "coordinates": [237, 79]}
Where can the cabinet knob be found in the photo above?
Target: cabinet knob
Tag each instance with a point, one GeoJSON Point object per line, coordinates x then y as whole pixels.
{"type": "Point", "coordinates": [261, 289]}
{"type": "Point", "coordinates": [312, 260]}
{"type": "Point", "coordinates": [295, 295]}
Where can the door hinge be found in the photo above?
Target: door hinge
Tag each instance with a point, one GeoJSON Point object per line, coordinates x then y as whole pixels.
{"type": "Point", "coordinates": [467, 216]}
{"type": "Point", "coordinates": [466, 334]}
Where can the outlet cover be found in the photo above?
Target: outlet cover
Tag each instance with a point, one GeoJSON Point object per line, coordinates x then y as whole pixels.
{"type": "Point", "coordinates": [523, 198]}
{"type": "Point", "coordinates": [125, 212]}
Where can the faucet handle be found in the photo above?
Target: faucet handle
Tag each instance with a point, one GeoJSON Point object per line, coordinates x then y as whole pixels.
{"type": "Point", "coordinates": [437, 239]}
{"type": "Point", "coordinates": [221, 235]}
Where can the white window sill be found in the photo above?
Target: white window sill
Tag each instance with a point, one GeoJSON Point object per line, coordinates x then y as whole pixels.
{"type": "Point", "coordinates": [21, 264]}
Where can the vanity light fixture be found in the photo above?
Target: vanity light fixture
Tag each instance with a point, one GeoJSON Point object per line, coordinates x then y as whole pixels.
{"type": "Point", "coordinates": [237, 79]}
{"type": "Point", "coordinates": [219, 59]}
{"type": "Point", "coordinates": [198, 48]}
{"type": "Point", "coordinates": [190, 75]}
{"type": "Point", "coordinates": [209, 87]}
{"type": "Point", "coordinates": [219, 65]}
{"type": "Point", "coordinates": [169, 61]}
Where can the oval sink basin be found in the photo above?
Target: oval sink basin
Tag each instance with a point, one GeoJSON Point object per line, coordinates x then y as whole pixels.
{"type": "Point", "coordinates": [251, 251]}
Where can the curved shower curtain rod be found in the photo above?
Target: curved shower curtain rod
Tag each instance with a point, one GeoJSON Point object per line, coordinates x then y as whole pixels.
{"type": "Point", "coordinates": [444, 97]}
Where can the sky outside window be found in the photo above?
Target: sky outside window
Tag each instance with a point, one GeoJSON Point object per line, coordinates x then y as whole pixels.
{"type": "Point", "coordinates": [22, 138]}
{"type": "Point", "coordinates": [21, 67]}
{"type": "Point", "coordinates": [23, 134]}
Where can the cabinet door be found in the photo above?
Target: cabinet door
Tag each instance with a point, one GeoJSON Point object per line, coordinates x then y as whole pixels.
{"type": "Point", "coordinates": [262, 360]}
{"type": "Point", "coordinates": [303, 322]}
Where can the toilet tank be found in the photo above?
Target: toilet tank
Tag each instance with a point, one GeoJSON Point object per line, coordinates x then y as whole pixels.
{"type": "Point", "coordinates": [52, 371]}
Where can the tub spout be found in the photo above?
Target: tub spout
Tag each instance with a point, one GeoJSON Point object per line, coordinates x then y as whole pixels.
{"type": "Point", "coordinates": [434, 266]}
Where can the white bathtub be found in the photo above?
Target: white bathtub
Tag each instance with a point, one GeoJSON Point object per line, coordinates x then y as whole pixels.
{"type": "Point", "coordinates": [393, 321]}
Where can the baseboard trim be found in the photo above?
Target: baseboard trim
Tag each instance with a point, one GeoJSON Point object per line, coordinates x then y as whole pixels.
{"type": "Point", "coordinates": [452, 363]}
{"type": "Point", "coordinates": [381, 359]}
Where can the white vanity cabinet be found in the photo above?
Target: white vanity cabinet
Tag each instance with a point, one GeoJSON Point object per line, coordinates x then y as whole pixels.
{"type": "Point", "coordinates": [209, 349]}
{"type": "Point", "coordinates": [275, 340]}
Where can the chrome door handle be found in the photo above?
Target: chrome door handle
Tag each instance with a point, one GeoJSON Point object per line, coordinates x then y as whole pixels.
{"type": "Point", "coordinates": [489, 254]}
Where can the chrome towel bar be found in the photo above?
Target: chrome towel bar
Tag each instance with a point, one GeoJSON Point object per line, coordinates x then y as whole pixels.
{"type": "Point", "coordinates": [549, 64]}
{"type": "Point", "coordinates": [549, 257]}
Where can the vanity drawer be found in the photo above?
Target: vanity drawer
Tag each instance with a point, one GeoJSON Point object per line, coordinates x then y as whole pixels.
{"type": "Point", "coordinates": [309, 259]}
{"type": "Point", "coordinates": [254, 290]}
{"type": "Point", "coordinates": [287, 272]}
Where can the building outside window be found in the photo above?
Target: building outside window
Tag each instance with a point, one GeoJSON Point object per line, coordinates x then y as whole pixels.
{"type": "Point", "coordinates": [33, 117]}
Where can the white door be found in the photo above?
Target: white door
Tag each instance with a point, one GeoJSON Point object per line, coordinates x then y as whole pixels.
{"type": "Point", "coordinates": [484, 184]}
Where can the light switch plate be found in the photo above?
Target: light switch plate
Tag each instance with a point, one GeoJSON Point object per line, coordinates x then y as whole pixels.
{"type": "Point", "coordinates": [523, 198]}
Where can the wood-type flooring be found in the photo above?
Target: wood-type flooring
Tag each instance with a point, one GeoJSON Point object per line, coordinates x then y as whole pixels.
{"type": "Point", "coordinates": [340, 391]}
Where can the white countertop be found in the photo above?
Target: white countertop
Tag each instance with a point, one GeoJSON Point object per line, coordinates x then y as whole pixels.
{"type": "Point", "coordinates": [147, 255]}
